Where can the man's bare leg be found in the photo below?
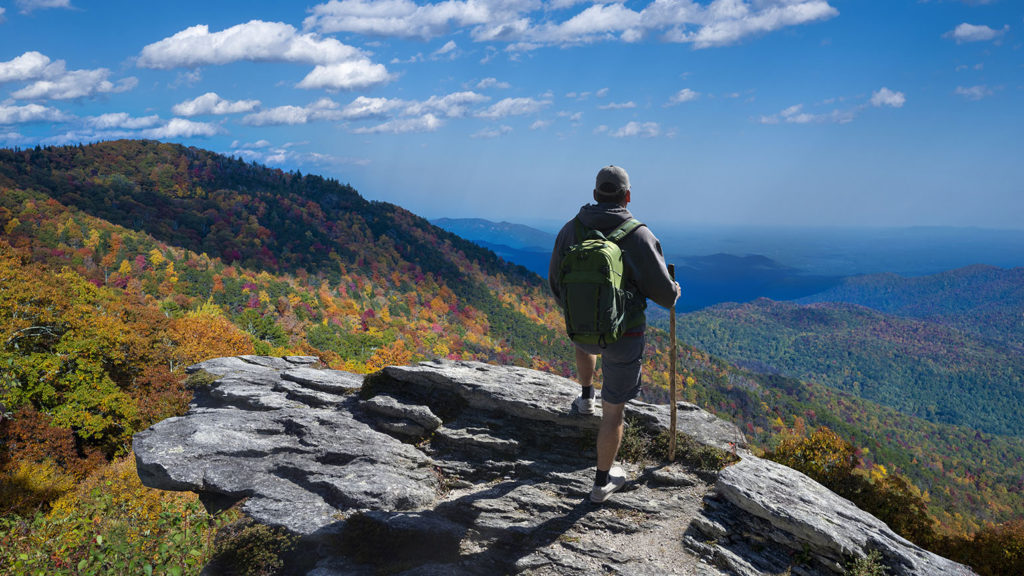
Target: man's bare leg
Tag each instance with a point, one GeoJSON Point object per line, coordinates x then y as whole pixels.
{"type": "Point", "coordinates": [585, 366]}
{"type": "Point", "coordinates": [609, 478]}
{"type": "Point", "coordinates": [609, 436]}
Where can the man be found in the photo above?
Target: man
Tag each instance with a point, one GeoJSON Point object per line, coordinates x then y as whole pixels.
{"type": "Point", "coordinates": [645, 276]}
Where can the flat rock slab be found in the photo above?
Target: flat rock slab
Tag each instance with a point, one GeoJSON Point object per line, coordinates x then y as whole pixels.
{"type": "Point", "coordinates": [324, 380]}
{"type": "Point", "coordinates": [249, 435]}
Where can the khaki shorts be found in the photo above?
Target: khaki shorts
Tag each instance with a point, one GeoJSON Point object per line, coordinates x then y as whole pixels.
{"type": "Point", "coordinates": [620, 362]}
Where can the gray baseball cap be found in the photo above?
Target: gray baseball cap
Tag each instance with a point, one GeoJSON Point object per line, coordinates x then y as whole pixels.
{"type": "Point", "coordinates": [612, 182]}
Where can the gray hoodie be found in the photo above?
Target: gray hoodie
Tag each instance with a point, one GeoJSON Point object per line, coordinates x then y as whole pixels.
{"type": "Point", "coordinates": [645, 264]}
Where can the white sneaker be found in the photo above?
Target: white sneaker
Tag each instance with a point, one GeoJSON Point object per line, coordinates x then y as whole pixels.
{"type": "Point", "coordinates": [584, 405]}
{"type": "Point", "coordinates": [616, 480]}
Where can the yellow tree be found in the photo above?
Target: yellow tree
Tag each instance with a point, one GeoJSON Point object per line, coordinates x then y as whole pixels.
{"type": "Point", "coordinates": [206, 334]}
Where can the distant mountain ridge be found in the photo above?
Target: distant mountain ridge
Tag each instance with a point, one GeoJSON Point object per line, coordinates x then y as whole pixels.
{"type": "Point", "coordinates": [926, 369]}
{"type": "Point", "coordinates": [706, 280]}
{"type": "Point", "coordinates": [980, 299]}
{"type": "Point", "coordinates": [516, 236]}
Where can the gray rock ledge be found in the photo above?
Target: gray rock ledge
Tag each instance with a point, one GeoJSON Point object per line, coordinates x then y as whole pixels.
{"type": "Point", "coordinates": [470, 468]}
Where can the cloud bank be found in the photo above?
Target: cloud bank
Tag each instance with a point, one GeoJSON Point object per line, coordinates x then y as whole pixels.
{"type": "Point", "coordinates": [529, 24]}
{"type": "Point", "coordinates": [51, 80]}
{"type": "Point", "coordinates": [211, 103]}
{"type": "Point", "coordinates": [337, 66]}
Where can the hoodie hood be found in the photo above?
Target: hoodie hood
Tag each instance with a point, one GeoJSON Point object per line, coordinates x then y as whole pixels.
{"type": "Point", "coordinates": [604, 216]}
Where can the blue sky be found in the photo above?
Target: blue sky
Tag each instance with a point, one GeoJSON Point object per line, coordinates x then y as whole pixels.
{"type": "Point", "coordinates": [739, 112]}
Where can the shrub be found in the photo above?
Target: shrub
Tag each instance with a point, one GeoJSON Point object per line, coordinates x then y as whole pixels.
{"type": "Point", "coordinates": [870, 565]}
{"type": "Point", "coordinates": [38, 462]}
{"type": "Point", "coordinates": [992, 551]}
{"type": "Point", "coordinates": [642, 445]}
{"type": "Point", "coordinates": [247, 548]}
{"type": "Point", "coordinates": [33, 485]}
{"type": "Point", "coordinates": [832, 461]}
{"type": "Point", "coordinates": [111, 524]}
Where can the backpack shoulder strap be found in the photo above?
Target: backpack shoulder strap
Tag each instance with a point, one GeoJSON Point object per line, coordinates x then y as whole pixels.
{"type": "Point", "coordinates": [624, 229]}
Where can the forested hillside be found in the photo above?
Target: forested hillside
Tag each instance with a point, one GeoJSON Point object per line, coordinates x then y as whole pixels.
{"type": "Point", "coordinates": [982, 300]}
{"type": "Point", "coordinates": [307, 255]}
{"type": "Point", "coordinates": [924, 369]}
{"type": "Point", "coordinates": [969, 477]}
{"type": "Point", "coordinates": [123, 262]}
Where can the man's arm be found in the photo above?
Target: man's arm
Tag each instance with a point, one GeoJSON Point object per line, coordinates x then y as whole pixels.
{"type": "Point", "coordinates": [652, 277]}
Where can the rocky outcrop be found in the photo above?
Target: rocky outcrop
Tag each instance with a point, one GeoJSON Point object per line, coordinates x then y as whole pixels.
{"type": "Point", "coordinates": [468, 468]}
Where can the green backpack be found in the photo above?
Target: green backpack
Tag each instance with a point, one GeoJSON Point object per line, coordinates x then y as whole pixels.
{"type": "Point", "coordinates": [594, 300]}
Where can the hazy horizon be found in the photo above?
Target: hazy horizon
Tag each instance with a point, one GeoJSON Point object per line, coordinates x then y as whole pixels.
{"type": "Point", "coordinates": [911, 251]}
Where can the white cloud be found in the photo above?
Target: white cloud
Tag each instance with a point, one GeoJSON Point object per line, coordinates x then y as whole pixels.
{"type": "Point", "coordinates": [572, 116]}
{"type": "Point", "coordinates": [211, 103]}
{"type": "Point", "coordinates": [617, 105]}
{"type": "Point", "coordinates": [30, 5]}
{"type": "Point", "coordinates": [454, 105]}
{"type": "Point", "coordinates": [540, 124]}
{"type": "Point", "coordinates": [284, 155]}
{"type": "Point", "coordinates": [529, 24]}
{"type": "Point", "coordinates": [2, 10]}
{"type": "Point", "coordinates": [514, 107]}
{"type": "Point", "coordinates": [796, 115]}
{"type": "Point", "coordinates": [426, 123]}
{"type": "Point", "coordinates": [351, 75]}
{"type": "Point", "coordinates": [10, 137]}
{"type": "Point", "coordinates": [973, 92]}
{"type": "Point", "coordinates": [417, 57]}
{"type": "Point", "coordinates": [83, 136]}
{"type": "Point", "coordinates": [492, 132]}
{"type": "Point", "coordinates": [643, 130]}
{"type": "Point", "coordinates": [182, 128]}
{"type": "Point", "coordinates": [52, 81]}
{"type": "Point", "coordinates": [187, 78]}
{"type": "Point", "coordinates": [492, 83]}
{"type": "Point", "coordinates": [256, 144]}
{"type": "Point", "coordinates": [75, 84]}
{"type": "Point", "coordinates": [684, 95]}
{"type": "Point", "coordinates": [601, 93]}
{"type": "Point", "coordinates": [885, 97]}
{"type": "Point", "coordinates": [10, 114]}
{"type": "Point", "coordinates": [406, 19]}
{"type": "Point", "coordinates": [973, 33]}
{"type": "Point", "coordinates": [28, 66]}
{"type": "Point", "coordinates": [323, 109]}
{"type": "Point", "coordinates": [727, 22]}
{"type": "Point", "coordinates": [597, 22]}
{"type": "Point", "coordinates": [448, 48]}
{"type": "Point", "coordinates": [121, 120]}
{"type": "Point", "coordinates": [254, 41]}
{"type": "Point", "coordinates": [363, 107]}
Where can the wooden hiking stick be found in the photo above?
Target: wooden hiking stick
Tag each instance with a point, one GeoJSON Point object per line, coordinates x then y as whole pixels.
{"type": "Point", "coordinates": [672, 375]}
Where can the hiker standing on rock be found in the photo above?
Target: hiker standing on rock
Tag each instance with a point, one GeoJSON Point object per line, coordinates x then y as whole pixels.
{"type": "Point", "coordinates": [604, 267]}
